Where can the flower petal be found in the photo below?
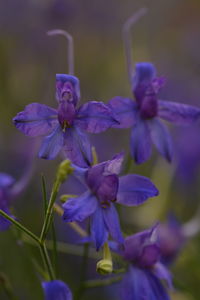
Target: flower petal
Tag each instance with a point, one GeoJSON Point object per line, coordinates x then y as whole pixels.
{"type": "Point", "coordinates": [162, 273]}
{"type": "Point", "coordinates": [161, 138]}
{"type": "Point", "coordinates": [67, 88]}
{"type": "Point", "coordinates": [125, 110]}
{"type": "Point", "coordinates": [52, 144]}
{"type": "Point", "coordinates": [77, 209]}
{"type": "Point", "coordinates": [77, 147]}
{"type": "Point", "coordinates": [112, 222]}
{"type": "Point", "coordinates": [108, 188]}
{"type": "Point", "coordinates": [95, 117]}
{"type": "Point", "coordinates": [135, 286]}
{"type": "Point", "coordinates": [141, 145]}
{"type": "Point", "coordinates": [113, 166]}
{"type": "Point", "coordinates": [135, 189]}
{"type": "Point", "coordinates": [36, 119]}
{"type": "Point", "coordinates": [178, 113]}
{"type": "Point", "coordinates": [98, 228]}
{"type": "Point", "coordinates": [56, 290]}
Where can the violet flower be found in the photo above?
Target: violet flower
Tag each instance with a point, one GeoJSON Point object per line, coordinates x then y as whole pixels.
{"type": "Point", "coordinates": [145, 272]}
{"type": "Point", "coordinates": [65, 126]}
{"type": "Point", "coordinates": [144, 114]}
{"type": "Point", "coordinates": [104, 187]}
{"type": "Point", "coordinates": [171, 239]}
{"type": "Point", "coordinates": [6, 182]}
{"type": "Point", "coordinates": [56, 290]}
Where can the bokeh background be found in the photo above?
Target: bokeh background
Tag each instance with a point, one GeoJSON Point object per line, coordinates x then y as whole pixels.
{"type": "Point", "coordinates": [168, 36]}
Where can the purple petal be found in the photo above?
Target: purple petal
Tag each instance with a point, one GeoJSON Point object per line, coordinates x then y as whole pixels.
{"type": "Point", "coordinates": [141, 284]}
{"type": "Point", "coordinates": [162, 273]}
{"type": "Point", "coordinates": [158, 290]}
{"type": "Point", "coordinates": [95, 117]}
{"type": "Point", "coordinates": [52, 144]}
{"type": "Point", "coordinates": [112, 222]}
{"type": "Point", "coordinates": [144, 72]}
{"type": "Point", "coordinates": [6, 180]}
{"type": "Point", "coordinates": [77, 147]}
{"type": "Point", "coordinates": [135, 189]}
{"type": "Point", "coordinates": [77, 209]}
{"type": "Point", "coordinates": [125, 111]}
{"type": "Point", "coordinates": [107, 191]}
{"type": "Point", "coordinates": [135, 286]}
{"type": "Point", "coordinates": [177, 113]}
{"type": "Point", "coordinates": [95, 176]}
{"type": "Point", "coordinates": [98, 228]}
{"type": "Point", "coordinates": [36, 119]}
{"type": "Point", "coordinates": [134, 244]}
{"type": "Point", "coordinates": [113, 166]}
{"type": "Point", "coordinates": [150, 255]}
{"type": "Point", "coordinates": [141, 145]}
{"type": "Point", "coordinates": [67, 88]}
{"type": "Point", "coordinates": [161, 138]}
{"type": "Point", "coordinates": [56, 290]}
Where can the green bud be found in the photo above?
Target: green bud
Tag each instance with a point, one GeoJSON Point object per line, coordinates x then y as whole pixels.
{"type": "Point", "coordinates": [66, 197]}
{"type": "Point", "coordinates": [104, 267]}
{"type": "Point", "coordinates": [64, 170]}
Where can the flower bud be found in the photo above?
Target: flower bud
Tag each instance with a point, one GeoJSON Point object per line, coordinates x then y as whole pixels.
{"type": "Point", "coordinates": [64, 170]}
{"type": "Point", "coordinates": [104, 267]}
{"type": "Point", "coordinates": [66, 197]}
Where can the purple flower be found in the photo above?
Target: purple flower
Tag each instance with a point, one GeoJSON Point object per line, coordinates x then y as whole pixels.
{"type": "Point", "coordinates": [143, 114]}
{"type": "Point", "coordinates": [6, 182]}
{"type": "Point", "coordinates": [171, 240]}
{"type": "Point", "coordinates": [145, 272]}
{"type": "Point", "coordinates": [65, 126]}
{"type": "Point", "coordinates": [104, 187]}
{"type": "Point", "coordinates": [56, 290]}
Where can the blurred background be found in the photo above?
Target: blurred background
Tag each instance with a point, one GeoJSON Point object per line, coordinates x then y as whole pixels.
{"type": "Point", "coordinates": [169, 37]}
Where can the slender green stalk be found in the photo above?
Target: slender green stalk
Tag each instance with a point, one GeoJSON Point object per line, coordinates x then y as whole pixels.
{"type": "Point", "coordinates": [49, 210]}
{"type": "Point", "coordinates": [20, 226]}
{"type": "Point", "coordinates": [101, 282]}
{"type": "Point", "coordinates": [44, 194]}
{"type": "Point", "coordinates": [47, 261]}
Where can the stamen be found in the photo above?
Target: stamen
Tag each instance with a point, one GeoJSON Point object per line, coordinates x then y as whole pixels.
{"type": "Point", "coordinates": [69, 38]}
{"type": "Point", "coordinates": [127, 39]}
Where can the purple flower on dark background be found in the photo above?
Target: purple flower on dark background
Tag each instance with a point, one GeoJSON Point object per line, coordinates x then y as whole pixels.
{"type": "Point", "coordinates": [104, 187]}
{"type": "Point", "coordinates": [171, 239]}
{"type": "Point", "coordinates": [6, 182]}
{"type": "Point", "coordinates": [143, 114]}
{"type": "Point", "coordinates": [145, 272]}
{"type": "Point", "coordinates": [65, 126]}
{"type": "Point", "coordinates": [56, 290]}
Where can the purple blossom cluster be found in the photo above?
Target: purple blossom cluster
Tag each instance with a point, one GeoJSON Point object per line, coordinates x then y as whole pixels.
{"type": "Point", "coordinates": [147, 253]}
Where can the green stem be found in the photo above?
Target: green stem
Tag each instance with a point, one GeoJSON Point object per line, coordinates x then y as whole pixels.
{"type": "Point", "coordinates": [47, 261]}
{"type": "Point", "coordinates": [41, 245]}
{"type": "Point", "coordinates": [101, 282]}
{"type": "Point", "coordinates": [49, 210]}
{"type": "Point", "coordinates": [20, 226]}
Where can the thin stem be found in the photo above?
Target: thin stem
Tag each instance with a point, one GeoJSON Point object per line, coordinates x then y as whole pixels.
{"type": "Point", "coordinates": [127, 39]}
{"type": "Point", "coordinates": [47, 261]}
{"type": "Point", "coordinates": [20, 226]}
{"type": "Point", "coordinates": [44, 194]}
{"type": "Point", "coordinates": [101, 282]}
{"type": "Point", "coordinates": [65, 248]}
{"type": "Point", "coordinates": [70, 57]}
{"type": "Point", "coordinates": [49, 210]}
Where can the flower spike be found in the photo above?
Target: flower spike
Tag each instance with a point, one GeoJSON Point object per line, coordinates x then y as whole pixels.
{"type": "Point", "coordinates": [69, 38]}
{"type": "Point", "coordinates": [127, 38]}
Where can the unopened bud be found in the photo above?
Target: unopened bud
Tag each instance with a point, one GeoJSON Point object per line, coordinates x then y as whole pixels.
{"type": "Point", "coordinates": [66, 197]}
{"type": "Point", "coordinates": [64, 170]}
{"type": "Point", "coordinates": [104, 267]}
